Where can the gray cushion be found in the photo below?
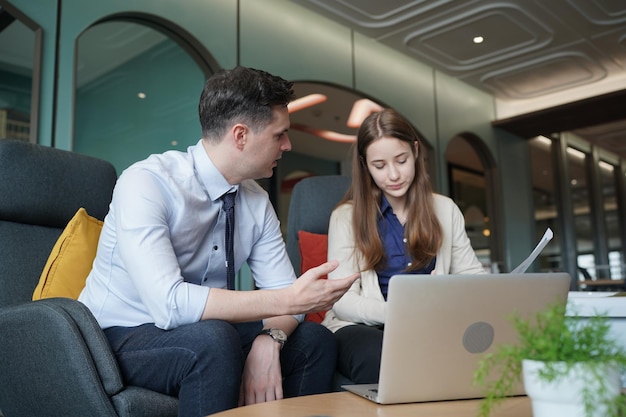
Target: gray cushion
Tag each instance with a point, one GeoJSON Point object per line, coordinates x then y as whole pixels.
{"type": "Point", "coordinates": [24, 250]}
{"type": "Point", "coordinates": [42, 189]}
{"type": "Point", "coordinates": [48, 185]}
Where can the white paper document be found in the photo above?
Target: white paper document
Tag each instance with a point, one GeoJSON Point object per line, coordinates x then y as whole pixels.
{"type": "Point", "coordinates": [547, 236]}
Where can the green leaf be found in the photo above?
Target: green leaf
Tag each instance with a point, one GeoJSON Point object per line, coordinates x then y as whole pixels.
{"type": "Point", "coordinates": [551, 336]}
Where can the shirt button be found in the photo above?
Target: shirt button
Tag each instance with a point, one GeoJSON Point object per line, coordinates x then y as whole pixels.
{"type": "Point", "coordinates": [409, 264]}
{"type": "Point", "coordinates": [215, 247]}
{"type": "Point", "coordinates": [404, 240]}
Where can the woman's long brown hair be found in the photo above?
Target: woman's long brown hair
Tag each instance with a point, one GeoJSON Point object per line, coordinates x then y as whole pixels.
{"type": "Point", "coordinates": [422, 229]}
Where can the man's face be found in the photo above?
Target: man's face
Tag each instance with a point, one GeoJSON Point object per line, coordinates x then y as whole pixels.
{"type": "Point", "coordinates": [266, 147]}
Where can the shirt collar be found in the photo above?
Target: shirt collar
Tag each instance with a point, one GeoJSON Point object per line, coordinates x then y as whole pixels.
{"type": "Point", "coordinates": [212, 179]}
{"type": "Point", "coordinates": [385, 207]}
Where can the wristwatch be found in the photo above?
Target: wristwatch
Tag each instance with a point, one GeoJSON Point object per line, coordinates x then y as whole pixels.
{"type": "Point", "coordinates": [278, 335]}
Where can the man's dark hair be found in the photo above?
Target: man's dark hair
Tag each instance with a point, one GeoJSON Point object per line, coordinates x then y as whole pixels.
{"type": "Point", "coordinates": [241, 95]}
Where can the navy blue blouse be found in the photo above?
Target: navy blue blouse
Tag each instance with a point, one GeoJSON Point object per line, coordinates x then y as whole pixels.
{"type": "Point", "coordinates": [391, 232]}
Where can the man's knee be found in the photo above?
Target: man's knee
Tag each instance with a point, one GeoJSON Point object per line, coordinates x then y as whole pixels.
{"type": "Point", "coordinates": [315, 338]}
{"type": "Point", "coordinates": [211, 336]}
{"type": "Point", "coordinates": [207, 345]}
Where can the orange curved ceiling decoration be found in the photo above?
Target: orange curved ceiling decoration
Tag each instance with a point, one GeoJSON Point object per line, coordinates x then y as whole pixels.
{"type": "Point", "coordinates": [360, 110]}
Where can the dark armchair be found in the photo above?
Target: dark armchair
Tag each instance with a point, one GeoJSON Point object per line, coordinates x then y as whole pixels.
{"type": "Point", "coordinates": [312, 201]}
{"type": "Point", "coordinates": [54, 358]}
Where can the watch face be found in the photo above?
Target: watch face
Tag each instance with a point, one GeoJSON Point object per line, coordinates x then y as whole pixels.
{"type": "Point", "coordinates": [279, 335]}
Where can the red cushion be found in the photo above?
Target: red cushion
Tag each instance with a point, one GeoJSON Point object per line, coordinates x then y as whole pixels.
{"type": "Point", "coordinates": [313, 252]}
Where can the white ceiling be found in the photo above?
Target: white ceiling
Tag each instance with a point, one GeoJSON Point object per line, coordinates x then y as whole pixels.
{"type": "Point", "coordinates": [531, 49]}
{"type": "Point", "coordinates": [536, 54]}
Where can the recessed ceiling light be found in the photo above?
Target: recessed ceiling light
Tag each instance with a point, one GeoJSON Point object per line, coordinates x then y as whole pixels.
{"type": "Point", "coordinates": [478, 39]}
{"type": "Point", "coordinates": [576, 153]}
{"type": "Point", "coordinates": [605, 165]}
{"type": "Point", "coordinates": [543, 140]}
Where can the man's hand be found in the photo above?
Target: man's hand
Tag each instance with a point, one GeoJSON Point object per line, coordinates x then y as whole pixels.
{"type": "Point", "coordinates": [262, 378]}
{"type": "Point", "coordinates": [310, 293]}
{"type": "Point", "coordinates": [307, 294]}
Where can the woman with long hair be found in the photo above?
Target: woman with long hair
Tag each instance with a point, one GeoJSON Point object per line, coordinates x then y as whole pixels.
{"type": "Point", "coordinates": [389, 222]}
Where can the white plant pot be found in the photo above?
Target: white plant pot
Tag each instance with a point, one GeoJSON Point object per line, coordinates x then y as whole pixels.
{"type": "Point", "coordinates": [564, 397]}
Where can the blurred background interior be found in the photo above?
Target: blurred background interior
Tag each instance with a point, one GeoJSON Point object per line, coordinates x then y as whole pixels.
{"type": "Point", "coordinates": [522, 103]}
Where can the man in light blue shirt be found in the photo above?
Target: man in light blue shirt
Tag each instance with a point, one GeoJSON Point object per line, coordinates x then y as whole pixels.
{"type": "Point", "coordinates": [158, 283]}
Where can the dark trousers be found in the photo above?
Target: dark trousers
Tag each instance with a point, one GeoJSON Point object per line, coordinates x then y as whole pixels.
{"type": "Point", "coordinates": [358, 352]}
{"type": "Point", "coordinates": [202, 363]}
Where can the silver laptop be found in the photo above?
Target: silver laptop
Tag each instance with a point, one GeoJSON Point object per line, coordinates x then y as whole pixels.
{"type": "Point", "coordinates": [439, 326]}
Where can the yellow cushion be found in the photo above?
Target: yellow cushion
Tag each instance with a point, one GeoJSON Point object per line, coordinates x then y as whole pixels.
{"type": "Point", "coordinates": [71, 258]}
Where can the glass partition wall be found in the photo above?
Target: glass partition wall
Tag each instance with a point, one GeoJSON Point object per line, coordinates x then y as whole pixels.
{"type": "Point", "coordinates": [19, 75]}
{"type": "Point", "coordinates": [579, 197]}
{"type": "Point", "coordinates": [609, 175]}
{"type": "Point", "coordinates": [583, 224]}
{"type": "Point", "coordinates": [545, 202]}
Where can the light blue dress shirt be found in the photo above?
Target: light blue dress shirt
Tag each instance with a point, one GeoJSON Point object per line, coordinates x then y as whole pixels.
{"type": "Point", "coordinates": [161, 249]}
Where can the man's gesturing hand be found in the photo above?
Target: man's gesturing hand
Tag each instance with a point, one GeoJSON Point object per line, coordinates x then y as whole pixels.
{"type": "Point", "coordinates": [310, 293]}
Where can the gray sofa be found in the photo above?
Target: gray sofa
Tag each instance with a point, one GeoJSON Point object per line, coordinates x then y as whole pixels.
{"type": "Point", "coordinates": [54, 358]}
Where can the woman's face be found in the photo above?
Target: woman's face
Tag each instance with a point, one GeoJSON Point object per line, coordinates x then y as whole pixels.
{"type": "Point", "coordinates": [391, 163]}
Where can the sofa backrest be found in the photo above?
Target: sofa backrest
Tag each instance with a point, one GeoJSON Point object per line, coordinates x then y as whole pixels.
{"type": "Point", "coordinates": [312, 201]}
{"type": "Point", "coordinates": [41, 188]}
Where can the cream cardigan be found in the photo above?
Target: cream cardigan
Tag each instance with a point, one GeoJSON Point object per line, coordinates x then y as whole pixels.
{"type": "Point", "coordinates": [364, 302]}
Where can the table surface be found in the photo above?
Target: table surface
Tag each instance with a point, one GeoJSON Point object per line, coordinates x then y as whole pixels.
{"type": "Point", "coordinates": [345, 404]}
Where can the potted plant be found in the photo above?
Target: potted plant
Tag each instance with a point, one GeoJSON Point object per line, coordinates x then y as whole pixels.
{"type": "Point", "coordinates": [552, 351]}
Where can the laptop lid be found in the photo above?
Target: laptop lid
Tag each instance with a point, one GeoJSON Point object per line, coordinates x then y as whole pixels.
{"type": "Point", "coordinates": [439, 326]}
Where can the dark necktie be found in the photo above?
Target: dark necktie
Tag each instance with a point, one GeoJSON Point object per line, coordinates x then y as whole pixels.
{"type": "Point", "coordinates": [229, 209]}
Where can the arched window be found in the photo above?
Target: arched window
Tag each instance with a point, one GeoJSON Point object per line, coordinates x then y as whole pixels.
{"type": "Point", "coordinates": [472, 186]}
{"type": "Point", "coordinates": [137, 91]}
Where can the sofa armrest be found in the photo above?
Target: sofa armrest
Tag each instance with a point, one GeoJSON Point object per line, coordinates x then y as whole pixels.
{"type": "Point", "coordinates": [55, 360]}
